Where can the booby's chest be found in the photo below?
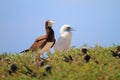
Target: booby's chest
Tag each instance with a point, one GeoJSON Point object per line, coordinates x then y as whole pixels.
{"type": "Point", "coordinates": [47, 47]}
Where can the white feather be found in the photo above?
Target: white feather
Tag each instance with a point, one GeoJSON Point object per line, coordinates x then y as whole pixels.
{"type": "Point", "coordinates": [64, 41]}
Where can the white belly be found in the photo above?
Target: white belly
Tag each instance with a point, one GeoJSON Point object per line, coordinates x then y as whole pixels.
{"type": "Point", "coordinates": [47, 47]}
{"type": "Point", "coordinates": [63, 43]}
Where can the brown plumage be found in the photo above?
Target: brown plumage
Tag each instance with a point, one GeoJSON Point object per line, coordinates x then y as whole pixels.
{"type": "Point", "coordinates": [41, 41]}
{"type": "Point", "coordinates": [45, 42]}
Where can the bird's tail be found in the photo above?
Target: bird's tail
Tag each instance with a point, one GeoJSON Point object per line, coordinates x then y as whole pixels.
{"type": "Point", "coordinates": [25, 51]}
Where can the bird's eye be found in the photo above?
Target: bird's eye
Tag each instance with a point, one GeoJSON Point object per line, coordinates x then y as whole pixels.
{"type": "Point", "coordinates": [68, 28]}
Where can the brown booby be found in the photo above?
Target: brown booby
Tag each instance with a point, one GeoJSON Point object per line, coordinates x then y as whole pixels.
{"type": "Point", "coordinates": [45, 42]}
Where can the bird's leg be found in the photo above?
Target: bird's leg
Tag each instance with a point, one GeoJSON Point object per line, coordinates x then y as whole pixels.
{"type": "Point", "coordinates": [48, 52]}
{"type": "Point", "coordinates": [42, 55]}
{"type": "Point", "coordinates": [37, 59]}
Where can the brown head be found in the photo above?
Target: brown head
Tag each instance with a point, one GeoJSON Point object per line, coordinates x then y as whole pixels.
{"type": "Point", "coordinates": [49, 30]}
{"type": "Point", "coordinates": [49, 23]}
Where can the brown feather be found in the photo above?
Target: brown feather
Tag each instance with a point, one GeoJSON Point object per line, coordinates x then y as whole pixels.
{"type": "Point", "coordinates": [39, 43]}
{"type": "Point", "coordinates": [41, 38]}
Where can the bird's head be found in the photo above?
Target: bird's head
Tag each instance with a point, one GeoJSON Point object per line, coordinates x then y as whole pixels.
{"type": "Point", "coordinates": [66, 28]}
{"type": "Point", "coordinates": [84, 50]}
{"type": "Point", "coordinates": [49, 23]}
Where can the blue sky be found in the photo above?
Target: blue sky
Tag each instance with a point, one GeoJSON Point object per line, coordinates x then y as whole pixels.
{"type": "Point", "coordinates": [95, 21]}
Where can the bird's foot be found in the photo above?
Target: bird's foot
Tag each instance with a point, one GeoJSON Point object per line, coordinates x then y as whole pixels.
{"type": "Point", "coordinates": [37, 61]}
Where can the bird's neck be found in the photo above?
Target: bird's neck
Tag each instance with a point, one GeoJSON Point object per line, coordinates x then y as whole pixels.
{"type": "Point", "coordinates": [66, 34]}
{"type": "Point", "coordinates": [48, 27]}
{"type": "Point", "coordinates": [50, 33]}
{"type": "Point", "coordinates": [48, 30]}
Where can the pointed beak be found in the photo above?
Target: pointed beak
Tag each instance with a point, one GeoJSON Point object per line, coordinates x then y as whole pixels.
{"type": "Point", "coordinates": [71, 29]}
{"type": "Point", "coordinates": [52, 22]}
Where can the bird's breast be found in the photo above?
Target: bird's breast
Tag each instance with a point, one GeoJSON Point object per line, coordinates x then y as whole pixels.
{"type": "Point", "coordinates": [47, 47]}
{"type": "Point", "coordinates": [50, 35]}
{"type": "Point", "coordinates": [66, 35]}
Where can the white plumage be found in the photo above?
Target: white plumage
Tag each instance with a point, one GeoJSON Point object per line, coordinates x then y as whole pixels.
{"type": "Point", "coordinates": [64, 41]}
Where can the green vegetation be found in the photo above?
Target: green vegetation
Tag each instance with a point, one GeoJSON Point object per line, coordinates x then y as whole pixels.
{"type": "Point", "coordinates": [102, 66]}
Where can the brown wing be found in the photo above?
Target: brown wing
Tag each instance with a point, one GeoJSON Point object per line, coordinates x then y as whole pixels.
{"type": "Point", "coordinates": [39, 43]}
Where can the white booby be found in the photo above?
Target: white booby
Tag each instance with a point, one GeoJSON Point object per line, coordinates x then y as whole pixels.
{"type": "Point", "coordinates": [64, 41]}
{"type": "Point", "coordinates": [45, 42]}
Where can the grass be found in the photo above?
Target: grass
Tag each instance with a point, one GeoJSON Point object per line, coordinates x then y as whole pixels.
{"type": "Point", "coordinates": [102, 66]}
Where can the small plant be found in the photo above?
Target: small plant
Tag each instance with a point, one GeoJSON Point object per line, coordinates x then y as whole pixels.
{"type": "Point", "coordinates": [67, 65]}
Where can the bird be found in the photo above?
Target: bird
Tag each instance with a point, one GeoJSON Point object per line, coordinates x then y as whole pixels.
{"type": "Point", "coordinates": [13, 68]}
{"type": "Point", "coordinates": [64, 41]}
{"type": "Point", "coordinates": [45, 42]}
{"type": "Point", "coordinates": [86, 56]}
{"type": "Point", "coordinates": [84, 50]}
{"type": "Point", "coordinates": [116, 52]}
